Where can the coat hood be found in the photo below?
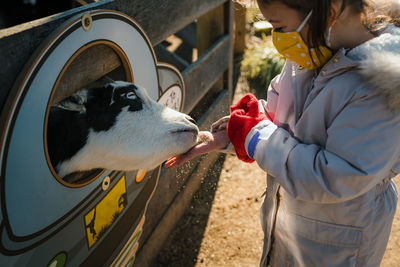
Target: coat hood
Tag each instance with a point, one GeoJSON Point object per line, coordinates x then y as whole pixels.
{"type": "Point", "coordinates": [380, 64]}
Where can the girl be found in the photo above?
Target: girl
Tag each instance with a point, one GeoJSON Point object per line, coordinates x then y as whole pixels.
{"type": "Point", "coordinates": [328, 135]}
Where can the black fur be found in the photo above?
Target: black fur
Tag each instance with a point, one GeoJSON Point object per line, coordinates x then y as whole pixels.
{"type": "Point", "coordinates": [67, 131]}
{"type": "Point", "coordinates": [101, 115]}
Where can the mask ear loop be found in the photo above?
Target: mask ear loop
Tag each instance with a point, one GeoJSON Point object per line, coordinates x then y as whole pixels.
{"type": "Point", "coordinates": [328, 42]}
{"type": "Point", "coordinates": [304, 22]}
{"type": "Point", "coordinates": [301, 27]}
{"type": "Point", "coordinates": [328, 37]}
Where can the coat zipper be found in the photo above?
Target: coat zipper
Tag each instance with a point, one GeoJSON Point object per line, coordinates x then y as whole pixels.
{"type": "Point", "coordinates": [267, 258]}
{"type": "Point", "coordinates": [297, 110]}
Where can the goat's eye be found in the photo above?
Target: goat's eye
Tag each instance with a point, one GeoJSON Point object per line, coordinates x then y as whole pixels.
{"type": "Point", "coordinates": [131, 95]}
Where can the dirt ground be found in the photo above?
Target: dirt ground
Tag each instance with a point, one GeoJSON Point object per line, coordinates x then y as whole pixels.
{"type": "Point", "coordinates": [222, 227]}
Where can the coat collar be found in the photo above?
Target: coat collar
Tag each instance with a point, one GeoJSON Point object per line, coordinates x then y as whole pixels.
{"type": "Point", "coordinates": [380, 64]}
{"type": "Point", "coordinates": [377, 60]}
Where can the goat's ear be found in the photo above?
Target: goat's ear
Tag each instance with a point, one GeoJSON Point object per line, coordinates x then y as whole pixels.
{"type": "Point", "coordinates": [75, 102]}
{"type": "Point", "coordinates": [106, 79]}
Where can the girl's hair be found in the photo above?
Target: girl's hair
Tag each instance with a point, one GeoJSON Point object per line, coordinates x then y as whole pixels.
{"type": "Point", "coordinates": [375, 13]}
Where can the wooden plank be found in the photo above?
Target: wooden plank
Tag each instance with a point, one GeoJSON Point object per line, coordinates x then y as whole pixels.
{"type": "Point", "coordinates": [202, 74]}
{"type": "Point", "coordinates": [230, 25]}
{"type": "Point", "coordinates": [19, 44]}
{"type": "Point", "coordinates": [188, 34]}
{"type": "Point", "coordinates": [21, 41]}
{"type": "Point", "coordinates": [240, 28]}
{"type": "Point", "coordinates": [168, 208]}
{"type": "Point", "coordinates": [164, 55]}
{"type": "Point", "coordinates": [210, 27]}
{"type": "Point", "coordinates": [88, 67]}
{"type": "Point", "coordinates": [161, 18]}
{"type": "Point", "coordinates": [85, 69]}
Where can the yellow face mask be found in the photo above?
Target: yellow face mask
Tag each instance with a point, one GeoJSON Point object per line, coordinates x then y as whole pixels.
{"type": "Point", "coordinates": [291, 46]}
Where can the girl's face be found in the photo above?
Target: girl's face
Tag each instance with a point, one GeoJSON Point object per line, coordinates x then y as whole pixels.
{"type": "Point", "coordinates": [282, 17]}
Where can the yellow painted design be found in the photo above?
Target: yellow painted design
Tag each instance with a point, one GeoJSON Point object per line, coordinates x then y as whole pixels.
{"type": "Point", "coordinates": [101, 217]}
{"type": "Point", "coordinates": [140, 175]}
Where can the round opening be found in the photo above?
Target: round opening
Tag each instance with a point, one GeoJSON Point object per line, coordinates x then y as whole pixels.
{"type": "Point", "coordinates": [64, 133]}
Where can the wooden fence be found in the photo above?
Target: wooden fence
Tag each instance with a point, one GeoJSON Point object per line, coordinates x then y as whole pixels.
{"type": "Point", "coordinates": [205, 28]}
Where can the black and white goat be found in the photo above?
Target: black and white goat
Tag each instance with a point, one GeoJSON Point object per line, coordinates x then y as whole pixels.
{"type": "Point", "coordinates": [115, 127]}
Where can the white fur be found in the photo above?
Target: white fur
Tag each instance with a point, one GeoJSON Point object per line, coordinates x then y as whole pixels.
{"type": "Point", "coordinates": [140, 139]}
{"type": "Point", "coordinates": [380, 64]}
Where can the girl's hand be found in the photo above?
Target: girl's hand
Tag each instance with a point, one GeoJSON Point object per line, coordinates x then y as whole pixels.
{"type": "Point", "coordinates": [220, 124]}
{"type": "Point", "coordinates": [210, 142]}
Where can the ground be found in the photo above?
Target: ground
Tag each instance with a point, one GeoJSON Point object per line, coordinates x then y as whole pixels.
{"type": "Point", "coordinates": [221, 227]}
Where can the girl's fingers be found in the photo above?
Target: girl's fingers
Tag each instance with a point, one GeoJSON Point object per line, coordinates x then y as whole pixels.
{"type": "Point", "coordinates": [216, 126]}
{"type": "Point", "coordinates": [205, 136]}
{"type": "Point", "coordinates": [210, 143]}
{"type": "Point", "coordinates": [223, 126]}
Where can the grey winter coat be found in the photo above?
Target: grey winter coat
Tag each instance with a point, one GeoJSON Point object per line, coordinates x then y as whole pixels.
{"type": "Point", "coordinates": [330, 198]}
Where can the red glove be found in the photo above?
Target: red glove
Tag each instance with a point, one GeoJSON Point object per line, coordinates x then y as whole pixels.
{"type": "Point", "coordinates": [244, 116]}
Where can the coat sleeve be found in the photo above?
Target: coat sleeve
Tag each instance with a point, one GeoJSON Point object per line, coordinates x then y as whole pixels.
{"type": "Point", "coordinates": [362, 146]}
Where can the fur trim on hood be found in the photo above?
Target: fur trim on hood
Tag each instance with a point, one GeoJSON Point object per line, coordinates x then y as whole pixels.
{"type": "Point", "coordinates": [380, 64]}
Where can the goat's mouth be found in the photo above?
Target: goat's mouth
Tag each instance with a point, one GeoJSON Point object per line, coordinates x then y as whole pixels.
{"type": "Point", "coordinates": [186, 130]}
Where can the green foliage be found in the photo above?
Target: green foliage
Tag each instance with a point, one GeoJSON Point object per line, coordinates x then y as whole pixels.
{"type": "Point", "coordinates": [262, 62]}
{"type": "Point", "coordinates": [253, 14]}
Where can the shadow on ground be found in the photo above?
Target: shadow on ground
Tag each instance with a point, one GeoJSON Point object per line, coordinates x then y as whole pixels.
{"type": "Point", "coordinates": [182, 246]}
